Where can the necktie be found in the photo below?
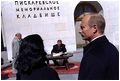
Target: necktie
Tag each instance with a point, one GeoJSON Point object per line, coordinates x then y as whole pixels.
{"type": "Point", "coordinates": [59, 47]}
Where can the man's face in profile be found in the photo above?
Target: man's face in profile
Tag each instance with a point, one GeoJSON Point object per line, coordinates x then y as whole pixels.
{"type": "Point", "coordinates": [59, 43]}
{"type": "Point", "coordinates": [85, 30]}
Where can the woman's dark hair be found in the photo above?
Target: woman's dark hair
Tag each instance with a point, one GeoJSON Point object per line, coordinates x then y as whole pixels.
{"type": "Point", "coordinates": [31, 54]}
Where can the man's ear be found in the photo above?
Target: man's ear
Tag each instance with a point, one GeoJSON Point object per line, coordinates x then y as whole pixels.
{"type": "Point", "coordinates": [95, 28]}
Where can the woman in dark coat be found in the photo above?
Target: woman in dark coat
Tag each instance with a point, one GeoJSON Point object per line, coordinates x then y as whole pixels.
{"type": "Point", "coordinates": [30, 63]}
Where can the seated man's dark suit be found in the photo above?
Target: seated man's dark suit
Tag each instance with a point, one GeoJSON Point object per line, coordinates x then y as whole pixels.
{"type": "Point", "coordinates": [100, 61]}
{"type": "Point", "coordinates": [56, 49]}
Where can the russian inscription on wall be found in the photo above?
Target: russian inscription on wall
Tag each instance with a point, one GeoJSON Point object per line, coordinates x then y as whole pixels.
{"type": "Point", "coordinates": [37, 9]}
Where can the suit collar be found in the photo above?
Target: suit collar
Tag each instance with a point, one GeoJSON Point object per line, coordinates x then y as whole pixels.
{"type": "Point", "coordinates": [98, 40]}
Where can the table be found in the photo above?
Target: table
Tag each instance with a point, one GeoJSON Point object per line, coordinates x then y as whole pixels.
{"type": "Point", "coordinates": [64, 57]}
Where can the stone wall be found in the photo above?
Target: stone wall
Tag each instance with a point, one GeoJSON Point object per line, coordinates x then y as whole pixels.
{"type": "Point", "coordinates": [111, 15]}
{"type": "Point", "coordinates": [54, 24]}
{"type": "Point", "coordinates": [60, 26]}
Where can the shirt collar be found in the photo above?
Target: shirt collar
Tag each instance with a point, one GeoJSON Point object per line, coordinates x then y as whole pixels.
{"type": "Point", "coordinates": [96, 38]}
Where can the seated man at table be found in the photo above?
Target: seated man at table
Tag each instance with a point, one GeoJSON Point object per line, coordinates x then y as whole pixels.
{"type": "Point", "coordinates": [58, 48]}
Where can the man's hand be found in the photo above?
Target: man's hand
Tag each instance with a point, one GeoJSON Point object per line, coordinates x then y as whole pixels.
{"type": "Point", "coordinates": [54, 53]}
{"type": "Point", "coordinates": [60, 52]}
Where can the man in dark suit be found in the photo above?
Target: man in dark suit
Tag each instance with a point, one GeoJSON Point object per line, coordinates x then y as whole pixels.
{"type": "Point", "coordinates": [100, 58]}
{"type": "Point", "coordinates": [58, 48]}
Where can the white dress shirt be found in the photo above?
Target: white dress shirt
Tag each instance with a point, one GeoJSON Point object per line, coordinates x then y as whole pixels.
{"type": "Point", "coordinates": [96, 38]}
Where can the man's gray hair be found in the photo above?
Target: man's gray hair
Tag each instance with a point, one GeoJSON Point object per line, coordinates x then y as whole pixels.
{"type": "Point", "coordinates": [17, 34]}
{"type": "Point", "coordinates": [98, 19]}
